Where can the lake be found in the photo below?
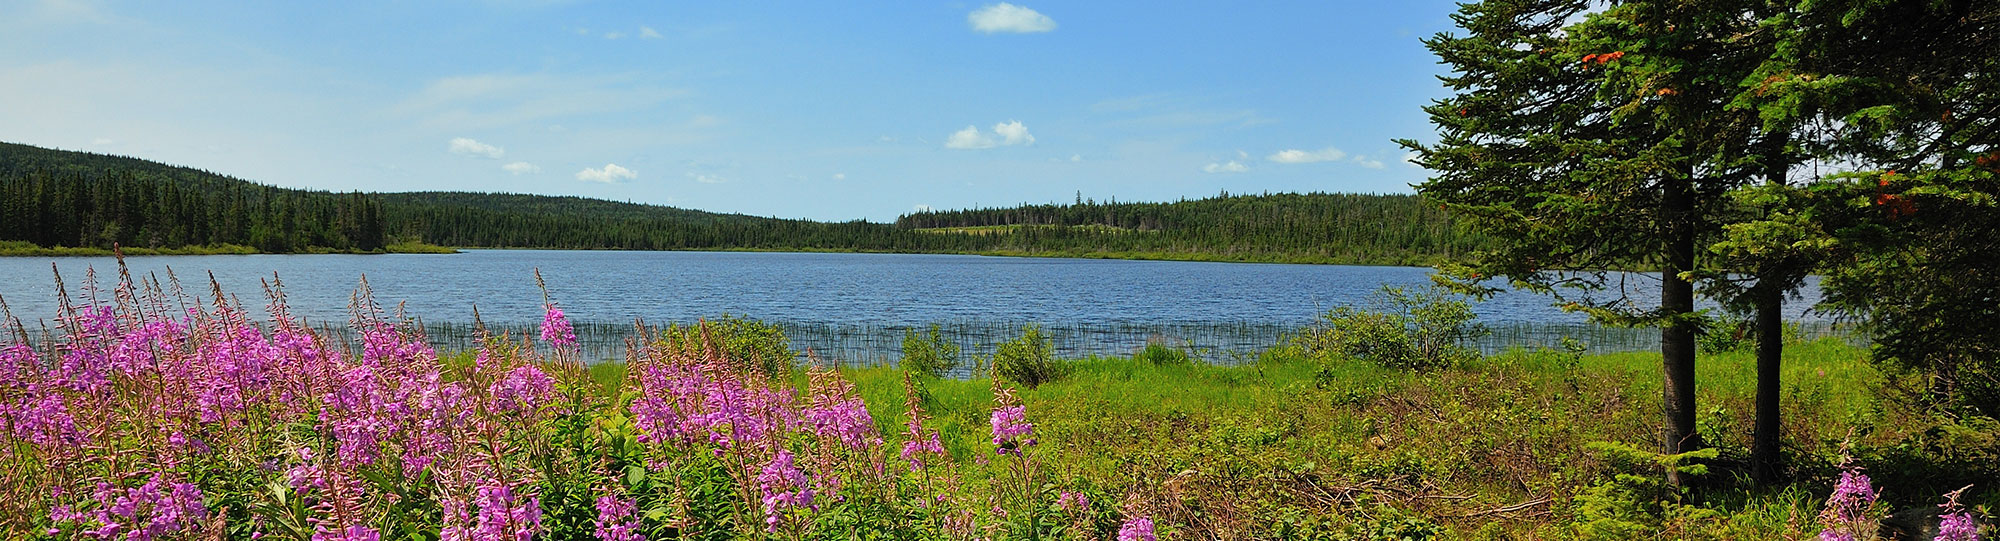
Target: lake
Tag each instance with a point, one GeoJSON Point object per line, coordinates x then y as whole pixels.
{"type": "Point", "coordinates": [849, 306]}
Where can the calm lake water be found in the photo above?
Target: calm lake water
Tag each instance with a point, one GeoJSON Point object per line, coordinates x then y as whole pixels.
{"type": "Point", "coordinates": [851, 304]}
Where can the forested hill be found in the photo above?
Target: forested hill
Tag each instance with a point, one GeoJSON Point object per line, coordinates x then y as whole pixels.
{"type": "Point", "coordinates": [54, 198]}
{"type": "Point", "coordinates": [1303, 227]}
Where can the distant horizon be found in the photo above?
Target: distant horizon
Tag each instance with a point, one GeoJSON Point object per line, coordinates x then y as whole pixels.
{"type": "Point", "coordinates": [819, 112]}
{"type": "Point", "coordinates": [1113, 198]}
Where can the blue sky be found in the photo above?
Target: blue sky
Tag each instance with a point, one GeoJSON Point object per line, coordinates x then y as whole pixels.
{"type": "Point", "coordinates": [815, 110]}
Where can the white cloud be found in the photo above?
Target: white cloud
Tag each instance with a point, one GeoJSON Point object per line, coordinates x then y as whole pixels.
{"type": "Point", "coordinates": [840, 176]}
{"type": "Point", "coordinates": [706, 178]}
{"type": "Point", "coordinates": [1005, 17]}
{"type": "Point", "coordinates": [614, 35]}
{"type": "Point", "coordinates": [1367, 162]}
{"type": "Point", "coordinates": [1307, 156]}
{"type": "Point", "coordinates": [1076, 157]}
{"type": "Point", "coordinates": [967, 139]}
{"type": "Point", "coordinates": [1410, 158]}
{"type": "Point", "coordinates": [467, 147]}
{"type": "Point", "coordinates": [1009, 133]}
{"type": "Point", "coordinates": [521, 168]}
{"type": "Point", "coordinates": [647, 32]}
{"type": "Point", "coordinates": [609, 174]}
{"type": "Point", "coordinates": [1013, 133]}
{"type": "Point", "coordinates": [1231, 167]}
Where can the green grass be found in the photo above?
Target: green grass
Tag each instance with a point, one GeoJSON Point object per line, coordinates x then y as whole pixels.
{"type": "Point", "coordinates": [1342, 446]}
{"type": "Point", "coordinates": [1501, 447]}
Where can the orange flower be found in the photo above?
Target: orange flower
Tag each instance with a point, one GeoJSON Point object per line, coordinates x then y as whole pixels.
{"type": "Point", "coordinates": [1668, 92]}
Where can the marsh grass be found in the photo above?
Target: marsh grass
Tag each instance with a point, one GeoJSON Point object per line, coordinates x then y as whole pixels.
{"type": "Point", "coordinates": [1495, 448]}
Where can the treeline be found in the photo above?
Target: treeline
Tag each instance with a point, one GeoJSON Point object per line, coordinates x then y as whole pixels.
{"type": "Point", "coordinates": [77, 199]}
{"type": "Point", "coordinates": [1353, 228]}
{"type": "Point", "coordinates": [533, 221]}
{"type": "Point", "coordinates": [74, 199]}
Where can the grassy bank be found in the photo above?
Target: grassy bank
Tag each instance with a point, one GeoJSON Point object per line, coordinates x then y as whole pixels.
{"type": "Point", "coordinates": [1511, 446]}
{"type": "Point", "coordinates": [220, 430]}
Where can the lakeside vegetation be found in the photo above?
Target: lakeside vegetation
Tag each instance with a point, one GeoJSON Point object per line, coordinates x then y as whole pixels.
{"type": "Point", "coordinates": [210, 427]}
{"type": "Point", "coordinates": [81, 202]}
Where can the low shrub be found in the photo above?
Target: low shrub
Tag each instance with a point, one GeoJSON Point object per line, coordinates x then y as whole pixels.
{"type": "Point", "coordinates": [1161, 355]}
{"type": "Point", "coordinates": [929, 353]}
{"type": "Point", "coordinates": [1029, 359]}
{"type": "Point", "coordinates": [748, 343]}
{"type": "Point", "coordinates": [1421, 329]}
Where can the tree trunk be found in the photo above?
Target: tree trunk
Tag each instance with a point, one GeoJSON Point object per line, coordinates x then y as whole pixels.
{"type": "Point", "coordinates": [1677, 347]}
{"type": "Point", "coordinates": [1770, 357]}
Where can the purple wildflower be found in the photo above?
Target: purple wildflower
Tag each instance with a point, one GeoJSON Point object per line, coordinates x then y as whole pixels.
{"type": "Point", "coordinates": [615, 521]}
{"type": "Point", "coordinates": [524, 390]}
{"type": "Point", "coordinates": [1072, 501]}
{"type": "Point", "coordinates": [847, 421]}
{"type": "Point", "coordinates": [1846, 514]}
{"type": "Point", "coordinates": [1011, 430]}
{"type": "Point", "coordinates": [556, 329]}
{"type": "Point", "coordinates": [1957, 527]}
{"type": "Point", "coordinates": [355, 532]}
{"type": "Point", "coordinates": [1137, 529]}
{"type": "Point", "coordinates": [156, 509]}
{"type": "Point", "coordinates": [1955, 524]}
{"type": "Point", "coordinates": [503, 516]}
{"type": "Point", "coordinates": [784, 488]}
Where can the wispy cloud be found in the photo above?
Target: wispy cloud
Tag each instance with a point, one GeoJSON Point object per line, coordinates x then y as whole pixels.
{"type": "Point", "coordinates": [1368, 162]}
{"type": "Point", "coordinates": [465, 146]}
{"type": "Point", "coordinates": [476, 102]}
{"type": "Point", "coordinates": [1009, 18]}
{"type": "Point", "coordinates": [706, 178]}
{"type": "Point", "coordinates": [609, 174]}
{"type": "Point", "coordinates": [647, 32]}
{"type": "Point", "coordinates": [1232, 166]}
{"type": "Point", "coordinates": [1008, 133]}
{"type": "Point", "coordinates": [521, 168]}
{"type": "Point", "coordinates": [1327, 154]}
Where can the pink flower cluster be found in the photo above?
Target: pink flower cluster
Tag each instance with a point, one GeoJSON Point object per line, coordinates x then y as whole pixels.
{"type": "Point", "coordinates": [1011, 430]}
{"type": "Point", "coordinates": [138, 387]}
{"type": "Point", "coordinates": [154, 510]}
{"type": "Point", "coordinates": [615, 521]}
{"type": "Point", "coordinates": [1846, 515]}
{"type": "Point", "coordinates": [557, 330]}
{"type": "Point", "coordinates": [783, 488]}
{"type": "Point", "coordinates": [1137, 529]}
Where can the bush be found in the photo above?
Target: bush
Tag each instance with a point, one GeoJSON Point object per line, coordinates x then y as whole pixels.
{"type": "Point", "coordinates": [1028, 360]}
{"type": "Point", "coordinates": [1421, 330]}
{"type": "Point", "coordinates": [1161, 355]}
{"type": "Point", "coordinates": [929, 353]}
{"type": "Point", "coordinates": [746, 343]}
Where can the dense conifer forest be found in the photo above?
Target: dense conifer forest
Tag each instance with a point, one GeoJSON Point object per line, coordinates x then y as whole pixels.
{"type": "Point", "coordinates": [61, 198]}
